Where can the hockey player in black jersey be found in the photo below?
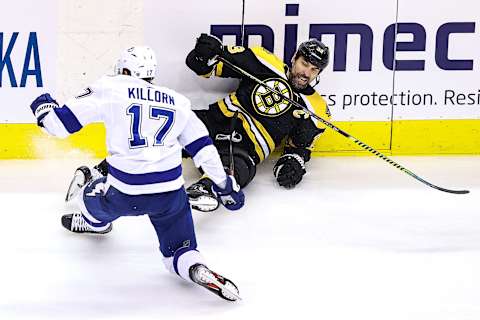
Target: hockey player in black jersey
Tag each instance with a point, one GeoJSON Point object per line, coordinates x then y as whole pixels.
{"type": "Point", "coordinates": [265, 119]}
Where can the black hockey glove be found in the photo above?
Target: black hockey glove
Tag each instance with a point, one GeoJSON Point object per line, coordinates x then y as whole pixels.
{"type": "Point", "coordinates": [208, 46]}
{"type": "Point", "coordinates": [289, 170]}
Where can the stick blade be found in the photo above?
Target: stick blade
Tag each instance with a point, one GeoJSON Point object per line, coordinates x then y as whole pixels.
{"type": "Point", "coordinates": [453, 191]}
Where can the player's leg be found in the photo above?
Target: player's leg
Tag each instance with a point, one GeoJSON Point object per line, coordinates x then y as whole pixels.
{"type": "Point", "coordinates": [200, 193]}
{"type": "Point", "coordinates": [245, 168]}
{"type": "Point", "coordinates": [220, 130]}
{"type": "Point", "coordinates": [178, 244]}
{"type": "Point", "coordinates": [84, 175]}
{"type": "Point", "coordinates": [95, 211]}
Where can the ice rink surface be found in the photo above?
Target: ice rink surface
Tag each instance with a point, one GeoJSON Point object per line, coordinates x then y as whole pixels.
{"type": "Point", "coordinates": [358, 239]}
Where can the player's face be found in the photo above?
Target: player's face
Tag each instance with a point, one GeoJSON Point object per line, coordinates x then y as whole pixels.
{"type": "Point", "coordinates": [302, 73]}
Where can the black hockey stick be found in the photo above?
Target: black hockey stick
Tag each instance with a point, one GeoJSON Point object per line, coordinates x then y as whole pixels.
{"type": "Point", "coordinates": [337, 129]}
{"type": "Point", "coordinates": [230, 143]}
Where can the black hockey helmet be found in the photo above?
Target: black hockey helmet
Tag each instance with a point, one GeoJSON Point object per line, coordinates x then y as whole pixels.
{"type": "Point", "coordinates": [315, 52]}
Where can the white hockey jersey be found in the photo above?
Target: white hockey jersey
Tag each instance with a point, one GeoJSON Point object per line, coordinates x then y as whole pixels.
{"type": "Point", "coordinates": [147, 126]}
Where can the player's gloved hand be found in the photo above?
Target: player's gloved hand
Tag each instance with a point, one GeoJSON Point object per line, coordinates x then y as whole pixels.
{"type": "Point", "coordinates": [231, 196]}
{"type": "Point", "coordinates": [208, 46]}
{"type": "Point", "coordinates": [289, 170]}
{"type": "Point", "coordinates": [41, 106]}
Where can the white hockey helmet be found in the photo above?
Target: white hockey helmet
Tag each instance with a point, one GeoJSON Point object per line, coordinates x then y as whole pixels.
{"type": "Point", "coordinates": [139, 60]}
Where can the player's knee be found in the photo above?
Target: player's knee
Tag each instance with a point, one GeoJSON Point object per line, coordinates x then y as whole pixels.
{"type": "Point", "coordinates": [92, 187]}
{"type": "Point", "coordinates": [244, 171]}
{"type": "Point", "coordinates": [243, 164]}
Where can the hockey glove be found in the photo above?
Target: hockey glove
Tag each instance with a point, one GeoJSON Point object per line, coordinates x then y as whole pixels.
{"type": "Point", "coordinates": [208, 46]}
{"type": "Point", "coordinates": [231, 196]}
{"type": "Point", "coordinates": [41, 106]}
{"type": "Point", "coordinates": [289, 170]}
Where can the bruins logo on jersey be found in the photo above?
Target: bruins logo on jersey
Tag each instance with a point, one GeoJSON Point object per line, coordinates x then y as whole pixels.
{"type": "Point", "coordinates": [268, 103]}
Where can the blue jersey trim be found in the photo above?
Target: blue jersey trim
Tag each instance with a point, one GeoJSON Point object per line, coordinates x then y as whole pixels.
{"type": "Point", "coordinates": [66, 116]}
{"type": "Point", "coordinates": [145, 178]}
{"type": "Point", "coordinates": [197, 145]}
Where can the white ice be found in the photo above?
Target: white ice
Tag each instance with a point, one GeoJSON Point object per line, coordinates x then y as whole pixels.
{"type": "Point", "coordinates": [358, 239]}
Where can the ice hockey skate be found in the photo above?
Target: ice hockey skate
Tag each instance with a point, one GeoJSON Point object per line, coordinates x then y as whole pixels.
{"type": "Point", "coordinates": [81, 177]}
{"type": "Point", "coordinates": [76, 223]}
{"type": "Point", "coordinates": [201, 196]}
{"type": "Point", "coordinates": [214, 282]}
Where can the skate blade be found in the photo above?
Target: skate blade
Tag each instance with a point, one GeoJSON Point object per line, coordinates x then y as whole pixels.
{"type": "Point", "coordinates": [73, 189]}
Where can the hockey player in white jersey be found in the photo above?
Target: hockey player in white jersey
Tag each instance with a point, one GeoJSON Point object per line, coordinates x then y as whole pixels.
{"type": "Point", "coordinates": [147, 127]}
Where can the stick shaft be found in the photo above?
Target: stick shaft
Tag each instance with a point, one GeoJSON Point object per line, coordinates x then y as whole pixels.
{"type": "Point", "coordinates": [340, 131]}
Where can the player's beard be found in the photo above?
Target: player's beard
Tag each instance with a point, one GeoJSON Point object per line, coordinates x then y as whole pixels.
{"type": "Point", "coordinates": [298, 81]}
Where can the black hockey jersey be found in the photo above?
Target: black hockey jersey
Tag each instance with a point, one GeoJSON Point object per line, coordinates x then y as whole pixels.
{"type": "Point", "coordinates": [266, 118]}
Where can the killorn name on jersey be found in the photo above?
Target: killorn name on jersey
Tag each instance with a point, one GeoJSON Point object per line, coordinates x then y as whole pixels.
{"type": "Point", "coordinates": [151, 95]}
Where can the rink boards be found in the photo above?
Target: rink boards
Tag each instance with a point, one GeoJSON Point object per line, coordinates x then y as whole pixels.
{"type": "Point", "coordinates": [410, 137]}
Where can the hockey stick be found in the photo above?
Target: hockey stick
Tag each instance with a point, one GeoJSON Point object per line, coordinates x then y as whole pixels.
{"type": "Point", "coordinates": [230, 143]}
{"type": "Point", "coordinates": [337, 129]}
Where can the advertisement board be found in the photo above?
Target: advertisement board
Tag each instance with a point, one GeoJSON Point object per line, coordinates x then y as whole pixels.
{"type": "Point", "coordinates": [28, 50]}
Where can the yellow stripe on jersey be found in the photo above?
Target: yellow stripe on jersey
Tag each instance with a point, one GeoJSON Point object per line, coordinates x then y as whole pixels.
{"type": "Point", "coordinates": [270, 58]}
{"type": "Point", "coordinates": [219, 69]}
{"type": "Point", "coordinates": [266, 136]}
{"type": "Point", "coordinates": [246, 126]}
{"type": "Point", "coordinates": [317, 104]}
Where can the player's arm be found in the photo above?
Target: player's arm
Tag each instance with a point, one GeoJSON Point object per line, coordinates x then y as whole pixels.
{"type": "Point", "coordinates": [196, 141]}
{"type": "Point", "coordinates": [290, 167]}
{"type": "Point", "coordinates": [202, 59]}
{"type": "Point", "coordinates": [71, 117]}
